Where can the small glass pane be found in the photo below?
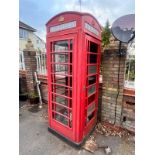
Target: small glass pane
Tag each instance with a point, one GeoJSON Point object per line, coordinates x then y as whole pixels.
{"type": "Point", "coordinates": [90, 117]}
{"type": "Point", "coordinates": [60, 46]}
{"type": "Point", "coordinates": [91, 90]}
{"type": "Point", "coordinates": [60, 58]}
{"type": "Point", "coordinates": [91, 80]}
{"type": "Point", "coordinates": [61, 69]}
{"type": "Point", "coordinates": [61, 110]}
{"type": "Point", "coordinates": [90, 109]}
{"type": "Point", "coordinates": [92, 59]}
{"type": "Point", "coordinates": [61, 119]}
{"type": "Point", "coordinates": [93, 47]}
{"type": "Point", "coordinates": [61, 100]}
{"type": "Point", "coordinates": [63, 46]}
{"type": "Point", "coordinates": [92, 69]}
{"type": "Point", "coordinates": [62, 79]}
{"type": "Point", "coordinates": [63, 91]}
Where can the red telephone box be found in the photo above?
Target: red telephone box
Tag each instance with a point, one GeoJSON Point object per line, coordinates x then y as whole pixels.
{"type": "Point", "coordinates": [73, 53]}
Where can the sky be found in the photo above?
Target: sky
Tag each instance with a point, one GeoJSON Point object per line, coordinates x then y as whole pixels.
{"type": "Point", "coordinates": [36, 13]}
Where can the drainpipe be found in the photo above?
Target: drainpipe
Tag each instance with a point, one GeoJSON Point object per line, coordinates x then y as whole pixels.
{"type": "Point", "coordinates": [38, 89]}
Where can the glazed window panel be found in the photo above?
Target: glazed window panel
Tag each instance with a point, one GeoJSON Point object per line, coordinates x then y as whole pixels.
{"type": "Point", "coordinates": [65, 121]}
{"type": "Point", "coordinates": [93, 47]}
{"type": "Point", "coordinates": [62, 90]}
{"type": "Point", "coordinates": [60, 46]}
{"type": "Point", "coordinates": [59, 79]}
{"type": "Point", "coordinates": [62, 110]}
{"type": "Point", "coordinates": [62, 79]}
{"type": "Point", "coordinates": [92, 69]}
{"type": "Point", "coordinates": [61, 119]}
{"type": "Point", "coordinates": [60, 58]}
{"type": "Point", "coordinates": [61, 69]}
{"type": "Point", "coordinates": [90, 109]}
{"type": "Point", "coordinates": [60, 100]}
{"type": "Point", "coordinates": [91, 80]}
{"type": "Point", "coordinates": [23, 33]}
{"type": "Point", "coordinates": [63, 46]}
{"type": "Point", "coordinates": [90, 117]}
{"type": "Point", "coordinates": [91, 90]}
{"type": "Point", "coordinates": [92, 59]}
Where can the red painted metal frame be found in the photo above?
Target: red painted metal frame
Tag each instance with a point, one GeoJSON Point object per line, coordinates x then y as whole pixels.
{"type": "Point", "coordinates": [80, 37]}
{"type": "Point", "coordinates": [68, 132]}
{"type": "Point", "coordinates": [92, 122]}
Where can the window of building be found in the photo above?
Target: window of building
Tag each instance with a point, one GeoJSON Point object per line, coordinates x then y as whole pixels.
{"type": "Point", "coordinates": [21, 61]}
{"type": "Point", "coordinates": [23, 33]}
{"type": "Point", "coordinates": [130, 67]}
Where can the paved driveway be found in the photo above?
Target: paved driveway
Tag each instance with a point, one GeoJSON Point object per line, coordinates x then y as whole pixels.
{"type": "Point", "coordinates": [35, 139]}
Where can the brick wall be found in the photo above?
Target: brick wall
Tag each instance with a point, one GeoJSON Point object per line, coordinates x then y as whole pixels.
{"type": "Point", "coordinates": [128, 112]}
{"type": "Point", "coordinates": [111, 111]}
{"type": "Point", "coordinates": [116, 108]}
{"type": "Point", "coordinates": [30, 66]}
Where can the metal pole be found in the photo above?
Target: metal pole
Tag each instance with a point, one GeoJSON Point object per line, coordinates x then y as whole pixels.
{"type": "Point", "coordinates": [118, 87]}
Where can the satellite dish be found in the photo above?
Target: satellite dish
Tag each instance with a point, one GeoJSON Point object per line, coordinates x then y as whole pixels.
{"type": "Point", "coordinates": [123, 28]}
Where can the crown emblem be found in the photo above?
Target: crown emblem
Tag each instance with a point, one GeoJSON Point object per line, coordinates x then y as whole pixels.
{"type": "Point", "coordinates": [61, 19]}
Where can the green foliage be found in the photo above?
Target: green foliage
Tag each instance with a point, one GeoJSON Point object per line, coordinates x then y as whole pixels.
{"type": "Point", "coordinates": [23, 94]}
{"type": "Point", "coordinates": [106, 34]}
{"type": "Point", "coordinates": [33, 95]}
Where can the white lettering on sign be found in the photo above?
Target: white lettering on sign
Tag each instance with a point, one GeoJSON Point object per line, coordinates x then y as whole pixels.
{"type": "Point", "coordinates": [91, 29]}
{"type": "Point", "coordinates": [63, 26]}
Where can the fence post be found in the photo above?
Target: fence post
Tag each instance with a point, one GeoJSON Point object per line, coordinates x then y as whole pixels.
{"type": "Point", "coordinates": [41, 63]}
{"type": "Point", "coordinates": [30, 65]}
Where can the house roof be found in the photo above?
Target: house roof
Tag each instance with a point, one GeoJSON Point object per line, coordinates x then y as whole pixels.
{"type": "Point", "coordinates": [27, 27]}
{"type": "Point", "coordinates": [39, 38]}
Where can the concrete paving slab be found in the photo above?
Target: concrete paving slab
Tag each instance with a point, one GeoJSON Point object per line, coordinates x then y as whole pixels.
{"type": "Point", "coordinates": [35, 139]}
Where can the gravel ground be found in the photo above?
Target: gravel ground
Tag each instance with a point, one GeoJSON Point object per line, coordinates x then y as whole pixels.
{"type": "Point", "coordinates": [35, 139]}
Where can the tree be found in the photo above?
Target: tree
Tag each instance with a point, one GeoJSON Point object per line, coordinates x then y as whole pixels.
{"type": "Point", "coordinates": [106, 34]}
